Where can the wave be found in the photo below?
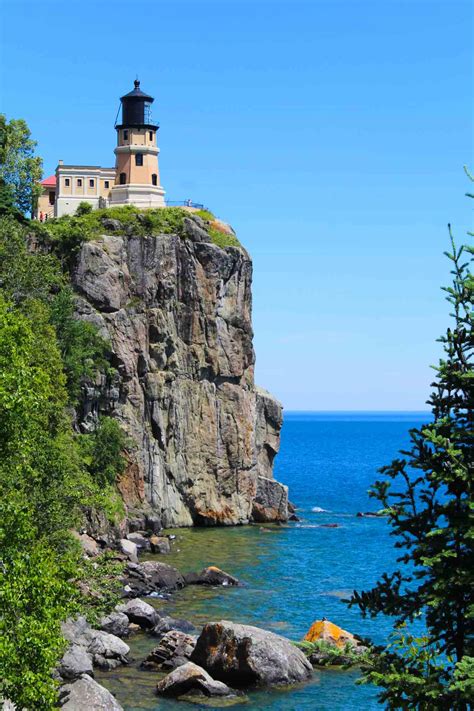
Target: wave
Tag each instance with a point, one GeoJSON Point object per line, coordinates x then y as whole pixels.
{"type": "Point", "coordinates": [318, 509]}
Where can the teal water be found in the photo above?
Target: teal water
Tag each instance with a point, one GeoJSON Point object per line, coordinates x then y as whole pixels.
{"type": "Point", "coordinates": [297, 573]}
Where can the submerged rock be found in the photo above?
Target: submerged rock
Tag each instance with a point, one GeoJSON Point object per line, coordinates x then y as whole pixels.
{"type": "Point", "coordinates": [175, 648]}
{"type": "Point", "coordinates": [211, 576]}
{"type": "Point", "coordinates": [244, 655]}
{"type": "Point", "coordinates": [191, 678]}
{"type": "Point", "coordinates": [86, 694]}
{"type": "Point", "coordinates": [167, 623]}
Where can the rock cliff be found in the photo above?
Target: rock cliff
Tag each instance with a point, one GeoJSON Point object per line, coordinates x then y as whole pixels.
{"type": "Point", "coordinates": [176, 310]}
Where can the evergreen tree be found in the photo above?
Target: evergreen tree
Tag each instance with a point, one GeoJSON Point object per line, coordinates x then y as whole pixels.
{"type": "Point", "coordinates": [428, 499]}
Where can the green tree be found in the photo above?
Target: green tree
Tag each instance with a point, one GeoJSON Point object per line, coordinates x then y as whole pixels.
{"type": "Point", "coordinates": [428, 499]}
{"type": "Point", "coordinates": [103, 451]}
{"type": "Point", "coordinates": [20, 169]}
{"type": "Point", "coordinates": [83, 350]}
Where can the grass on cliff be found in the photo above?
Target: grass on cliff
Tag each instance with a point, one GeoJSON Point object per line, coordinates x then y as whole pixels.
{"type": "Point", "coordinates": [68, 232]}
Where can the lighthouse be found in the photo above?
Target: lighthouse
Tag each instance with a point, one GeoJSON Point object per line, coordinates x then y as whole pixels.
{"type": "Point", "coordinates": [137, 177]}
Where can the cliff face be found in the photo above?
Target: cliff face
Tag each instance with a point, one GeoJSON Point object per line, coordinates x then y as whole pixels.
{"type": "Point", "coordinates": [177, 313]}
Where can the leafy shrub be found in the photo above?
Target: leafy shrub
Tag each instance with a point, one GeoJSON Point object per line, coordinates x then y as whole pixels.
{"type": "Point", "coordinates": [102, 577]}
{"type": "Point", "coordinates": [83, 350]}
{"type": "Point", "coordinates": [83, 209]}
{"type": "Point", "coordinates": [67, 233]}
{"type": "Point", "coordinates": [331, 655]}
{"type": "Point", "coordinates": [103, 451]}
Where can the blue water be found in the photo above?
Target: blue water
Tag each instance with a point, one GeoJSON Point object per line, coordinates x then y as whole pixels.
{"type": "Point", "coordinates": [299, 573]}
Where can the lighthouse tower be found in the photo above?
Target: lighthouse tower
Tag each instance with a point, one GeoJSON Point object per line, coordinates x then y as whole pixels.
{"type": "Point", "coordinates": [137, 178]}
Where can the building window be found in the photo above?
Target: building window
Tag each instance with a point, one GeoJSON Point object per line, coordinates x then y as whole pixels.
{"type": "Point", "coordinates": [125, 135]}
{"type": "Point", "coordinates": [123, 179]}
{"type": "Point", "coordinates": [138, 158]}
{"type": "Point", "coordinates": [67, 182]}
{"type": "Point", "coordinates": [52, 197]}
{"type": "Point", "coordinates": [151, 135]}
{"type": "Point", "coordinates": [79, 182]}
{"type": "Point", "coordinates": [91, 183]}
{"type": "Point", "coordinates": [154, 179]}
{"type": "Point", "coordinates": [106, 184]}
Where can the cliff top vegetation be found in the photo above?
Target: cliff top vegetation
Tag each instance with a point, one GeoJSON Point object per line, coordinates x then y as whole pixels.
{"type": "Point", "coordinates": [69, 231]}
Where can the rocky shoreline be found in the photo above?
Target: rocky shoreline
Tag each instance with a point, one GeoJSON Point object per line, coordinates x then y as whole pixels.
{"type": "Point", "coordinates": [224, 659]}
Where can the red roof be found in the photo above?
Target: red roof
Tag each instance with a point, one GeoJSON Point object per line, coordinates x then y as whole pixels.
{"type": "Point", "coordinates": [49, 182]}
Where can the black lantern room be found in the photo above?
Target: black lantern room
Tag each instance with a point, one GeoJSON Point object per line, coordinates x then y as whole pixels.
{"type": "Point", "coordinates": [136, 109]}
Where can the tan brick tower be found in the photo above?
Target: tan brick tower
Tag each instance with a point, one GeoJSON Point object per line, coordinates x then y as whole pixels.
{"type": "Point", "coordinates": [137, 178]}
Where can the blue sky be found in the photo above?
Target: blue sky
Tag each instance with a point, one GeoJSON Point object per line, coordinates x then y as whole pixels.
{"type": "Point", "coordinates": [332, 136]}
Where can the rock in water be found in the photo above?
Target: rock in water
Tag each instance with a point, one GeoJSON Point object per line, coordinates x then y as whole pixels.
{"type": "Point", "coordinates": [175, 648]}
{"type": "Point", "coordinates": [116, 623]}
{"type": "Point", "coordinates": [242, 655]}
{"type": "Point", "coordinates": [188, 678]}
{"type": "Point", "coordinates": [160, 544]}
{"type": "Point", "coordinates": [140, 613]}
{"type": "Point", "coordinates": [85, 694]}
{"type": "Point", "coordinates": [329, 632]}
{"type": "Point", "coordinates": [271, 501]}
{"type": "Point", "coordinates": [177, 314]}
{"type": "Point", "coordinates": [211, 576]}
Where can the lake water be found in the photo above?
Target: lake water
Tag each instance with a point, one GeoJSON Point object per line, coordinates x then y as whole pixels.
{"type": "Point", "coordinates": [297, 573]}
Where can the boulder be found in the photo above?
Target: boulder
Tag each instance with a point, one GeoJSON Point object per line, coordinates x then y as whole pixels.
{"type": "Point", "coordinates": [107, 650]}
{"type": "Point", "coordinates": [175, 648]}
{"type": "Point", "coordinates": [129, 548]}
{"type": "Point", "coordinates": [142, 543]}
{"type": "Point", "coordinates": [140, 613]}
{"type": "Point", "coordinates": [191, 678]}
{"type": "Point", "coordinates": [329, 632]}
{"type": "Point", "coordinates": [153, 523]}
{"type": "Point", "coordinates": [211, 576]}
{"type": "Point", "coordinates": [166, 623]}
{"type": "Point", "coordinates": [75, 662]}
{"type": "Point", "coordinates": [160, 544]}
{"type": "Point", "coordinates": [88, 544]}
{"type": "Point", "coordinates": [85, 693]}
{"type": "Point", "coordinates": [116, 623]}
{"type": "Point", "coordinates": [271, 501]}
{"type": "Point", "coordinates": [153, 576]}
{"type": "Point", "coordinates": [245, 656]}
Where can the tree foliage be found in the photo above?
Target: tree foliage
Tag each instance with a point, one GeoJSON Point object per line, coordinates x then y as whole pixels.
{"type": "Point", "coordinates": [45, 483]}
{"type": "Point", "coordinates": [20, 169]}
{"type": "Point", "coordinates": [428, 499]}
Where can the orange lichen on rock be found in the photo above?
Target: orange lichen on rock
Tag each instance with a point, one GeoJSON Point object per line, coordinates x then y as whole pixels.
{"type": "Point", "coordinates": [329, 632]}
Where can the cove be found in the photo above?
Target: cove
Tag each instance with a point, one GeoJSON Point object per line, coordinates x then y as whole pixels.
{"type": "Point", "coordinates": [297, 573]}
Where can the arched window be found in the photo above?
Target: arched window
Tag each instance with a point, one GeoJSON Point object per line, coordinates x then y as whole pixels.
{"type": "Point", "coordinates": [138, 158]}
{"type": "Point", "coordinates": [122, 179]}
{"type": "Point", "coordinates": [154, 179]}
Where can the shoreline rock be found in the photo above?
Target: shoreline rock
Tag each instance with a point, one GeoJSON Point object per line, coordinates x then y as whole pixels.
{"type": "Point", "coordinates": [246, 656]}
{"type": "Point", "coordinates": [85, 693]}
{"type": "Point", "coordinates": [188, 678]}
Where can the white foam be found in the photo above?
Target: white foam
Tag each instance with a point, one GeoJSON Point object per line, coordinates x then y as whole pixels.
{"type": "Point", "coordinates": [318, 509]}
